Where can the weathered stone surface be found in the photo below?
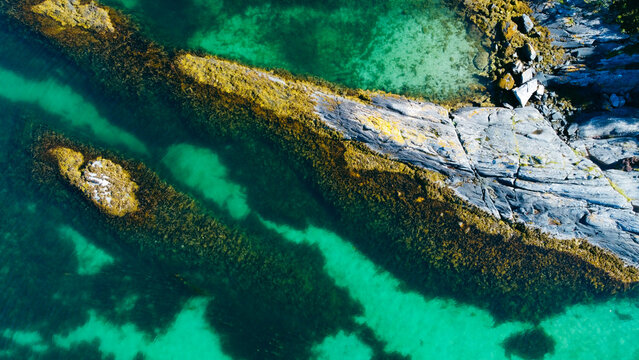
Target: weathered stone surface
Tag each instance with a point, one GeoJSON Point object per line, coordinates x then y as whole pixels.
{"type": "Point", "coordinates": [528, 53]}
{"type": "Point", "coordinates": [527, 75]}
{"type": "Point", "coordinates": [618, 123]}
{"type": "Point", "coordinates": [72, 13]}
{"type": "Point", "coordinates": [527, 24]}
{"type": "Point", "coordinates": [508, 30]}
{"type": "Point", "coordinates": [609, 151]}
{"type": "Point", "coordinates": [526, 91]}
{"type": "Point", "coordinates": [105, 183]}
{"type": "Point", "coordinates": [507, 82]}
{"type": "Point", "coordinates": [510, 163]}
{"type": "Point", "coordinates": [627, 182]}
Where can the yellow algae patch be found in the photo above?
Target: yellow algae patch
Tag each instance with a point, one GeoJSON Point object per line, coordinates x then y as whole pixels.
{"type": "Point", "coordinates": [388, 128]}
{"type": "Point", "coordinates": [72, 13]}
{"type": "Point", "coordinates": [360, 161]}
{"type": "Point", "coordinates": [285, 98]}
{"type": "Point", "coordinates": [69, 162]}
{"type": "Point", "coordinates": [104, 182]}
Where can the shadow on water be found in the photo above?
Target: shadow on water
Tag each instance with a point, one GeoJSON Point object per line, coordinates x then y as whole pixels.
{"type": "Point", "coordinates": [273, 188]}
{"type": "Point", "coordinates": [530, 344]}
{"type": "Point", "coordinates": [42, 290]}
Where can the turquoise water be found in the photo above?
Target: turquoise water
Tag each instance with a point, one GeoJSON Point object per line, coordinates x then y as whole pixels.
{"type": "Point", "coordinates": [71, 288]}
{"type": "Point", "coordinates": [411, 47]}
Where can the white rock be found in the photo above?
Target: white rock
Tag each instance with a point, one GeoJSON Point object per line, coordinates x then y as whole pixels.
{"type": "Point", "coordinates": [527, 75]}
{"type": "Point", "coordinates": [524, 92]}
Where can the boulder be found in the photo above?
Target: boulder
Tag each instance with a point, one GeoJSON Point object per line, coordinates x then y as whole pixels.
{"type": "Point", "coordinates": [526, 91]}
{"type": "Point", "coordinates": [526, 24]}
{"type": "Point", "coordinates": [102, 181]}
{"type": "Point", "coordinates": [508, 30]}
{"type": "Point", "coordinates": [527, 75]}
{"type": "Point", "coordinates": [507, 82]}
{"type": "Point", "coordinates": [527, 52]}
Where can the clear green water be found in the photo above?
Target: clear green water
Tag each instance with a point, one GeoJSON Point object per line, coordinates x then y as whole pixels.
{"type": "Point", "coordinates": [70, 288]}
{"type": "Point", "coordinates": [410, 47]}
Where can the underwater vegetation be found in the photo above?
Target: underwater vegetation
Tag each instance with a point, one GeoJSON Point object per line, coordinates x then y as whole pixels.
{"type": "Point", "coordinates": [249, 275]}
{"type": "Point", "coordinates": [529, 344]}
{"type": "Point", "coordinates": [398, 215]}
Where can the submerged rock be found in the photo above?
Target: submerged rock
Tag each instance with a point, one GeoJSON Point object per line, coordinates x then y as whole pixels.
{"type": "Point", "coordinates": [72, 13]}
{"type": "Point", "coordinates": [105, 183]}
{"type": "Point", "coordinates": [481, 60]}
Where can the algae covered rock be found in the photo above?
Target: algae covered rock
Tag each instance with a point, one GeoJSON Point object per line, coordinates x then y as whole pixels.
{"type": "Point", "coordinates": [72, 13]}
{"type": "Point", "coordinates": [104, 182]}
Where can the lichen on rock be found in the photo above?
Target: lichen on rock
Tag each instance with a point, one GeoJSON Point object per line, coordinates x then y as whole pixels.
{"type": "Point", "coordinates": [104, 182]}
{"type": "Point", "coordinates": [72, 13]}
{"type": "Point", "coordinates": [265, 90]}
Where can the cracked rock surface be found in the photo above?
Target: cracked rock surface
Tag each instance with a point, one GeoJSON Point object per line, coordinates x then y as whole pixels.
{"type": "Point", "coordinates": [510, 163]}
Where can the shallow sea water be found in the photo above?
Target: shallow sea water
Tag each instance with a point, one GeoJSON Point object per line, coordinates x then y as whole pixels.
{"type": "Point", "coordinates": [69, 288]}
{"type": "Point", "coordinates": [412, 47]}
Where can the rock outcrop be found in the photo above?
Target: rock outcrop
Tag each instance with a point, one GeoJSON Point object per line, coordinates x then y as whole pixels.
{"type": "Point", "coordinates": [102, 181]}
{"type": "Point", "coordinates": [510, 163]}
{"type": "Point", "coordinates": [73, 13]}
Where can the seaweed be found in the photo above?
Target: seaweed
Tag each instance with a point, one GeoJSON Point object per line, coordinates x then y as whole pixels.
{"type": "Point", "coordinates": [400, 215]}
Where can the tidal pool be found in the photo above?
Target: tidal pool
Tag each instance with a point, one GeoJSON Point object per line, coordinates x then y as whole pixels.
{"type": "Point", "coordinates": [70, 288]}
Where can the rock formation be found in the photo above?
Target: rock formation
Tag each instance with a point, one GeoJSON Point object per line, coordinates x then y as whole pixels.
{"type": "Point", "coordinates": [72, 13]}
{"type": "Point", "coordinates": [102, 181]}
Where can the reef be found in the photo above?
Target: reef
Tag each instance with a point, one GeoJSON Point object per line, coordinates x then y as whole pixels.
{"type": "Point", "coordinates": [436, 197]}
{"type": "Point", "coordinates": [105, 183]}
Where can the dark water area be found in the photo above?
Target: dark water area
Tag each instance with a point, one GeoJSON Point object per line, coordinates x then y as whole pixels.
{"type": "Point", "coordinates": [72, 287]}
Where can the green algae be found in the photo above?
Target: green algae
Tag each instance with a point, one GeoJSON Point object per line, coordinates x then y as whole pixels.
{"type": "Point", "coordinates": [251, 273]}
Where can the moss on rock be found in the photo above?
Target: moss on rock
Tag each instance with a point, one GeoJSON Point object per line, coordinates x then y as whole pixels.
{"type": "Point", "coordinates": [102, 181]}
{"type": "Point", "coordinates": [73, 13]}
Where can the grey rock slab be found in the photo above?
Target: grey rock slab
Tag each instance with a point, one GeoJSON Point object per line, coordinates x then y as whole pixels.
{"type": "Point", "coordinates": [527, 75]}
{"type": "Point", "coordinates": [627, 181]}
{"type": "Point", "coordinates": [622, 122]}
{"type": "Point", "coordinates": [528, 52]}
{"type": "Point", "coordinates": [610, 151]}
{"type": "Point", "coordinates": [510, 163]}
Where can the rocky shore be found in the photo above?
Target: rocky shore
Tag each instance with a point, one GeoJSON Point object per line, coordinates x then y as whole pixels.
{"type": "Point", "coordinates": [489, 202]}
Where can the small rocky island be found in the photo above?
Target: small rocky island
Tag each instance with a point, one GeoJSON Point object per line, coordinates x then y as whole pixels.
{"type": "Point", "coordinates": [104, 182]}
{"type": "Point", "coordinates": [501, 202]}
